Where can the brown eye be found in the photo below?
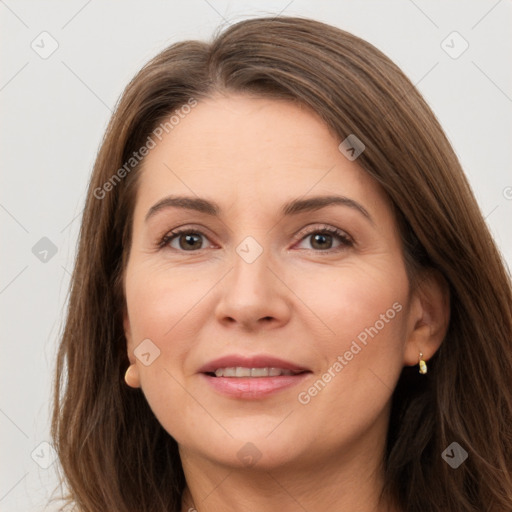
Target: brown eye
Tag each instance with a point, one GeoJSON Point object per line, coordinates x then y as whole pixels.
{"type": "Point", "coordinates": [183, 240]}
{"type": "Point", "coordinates": [321, 241]}
{"type": "Point", "coordinates": [324, 239]}
{"type": "Point", "coordinates": [190, 241]}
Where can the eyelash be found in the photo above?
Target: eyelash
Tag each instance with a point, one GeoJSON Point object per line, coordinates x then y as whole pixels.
{"type": "Point", "coordinates": [345, 240]}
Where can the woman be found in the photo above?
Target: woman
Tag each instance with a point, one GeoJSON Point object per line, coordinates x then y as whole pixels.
{"type": "Point", "coordinates": [285, 295]}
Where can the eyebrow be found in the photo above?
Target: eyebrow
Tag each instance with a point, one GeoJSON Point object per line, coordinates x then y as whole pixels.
{"type": "Point", "coordinates": [294, 207]}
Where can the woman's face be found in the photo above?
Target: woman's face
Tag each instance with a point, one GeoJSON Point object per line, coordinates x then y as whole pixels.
{"type": "Point", "coordinates": [273, 328]}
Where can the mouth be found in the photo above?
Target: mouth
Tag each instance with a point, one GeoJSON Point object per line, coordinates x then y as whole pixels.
{"type": "Point", "coordinates": [252, 377]}
{"type": "Point", "coordinates": [244, 372]}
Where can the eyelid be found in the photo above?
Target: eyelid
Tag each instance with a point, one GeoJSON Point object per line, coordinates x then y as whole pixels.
{"type": "Point", "coordinates": [316, 228]}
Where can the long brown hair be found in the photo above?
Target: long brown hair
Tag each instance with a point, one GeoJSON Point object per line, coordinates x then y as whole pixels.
{"type": "Point", "coordinates": [116, 456]}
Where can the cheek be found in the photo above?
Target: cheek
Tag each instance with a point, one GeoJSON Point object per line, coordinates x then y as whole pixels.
{"type": "Point", "coordinates": [158, 301]}
{"type": "Point", "coordinates": [355, 300]}
{"type": "Point", "coordinates": [363, 310]}
{"type": "Point", "coordinates": [364, 306]}
{"type": "Point", "coordinates": [159, 308]}
{"type": "Point", "coordinates": [166, 306]}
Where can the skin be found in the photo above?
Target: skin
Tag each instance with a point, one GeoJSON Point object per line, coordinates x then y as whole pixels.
{"type": "Point", "coordinates": [301, 300]}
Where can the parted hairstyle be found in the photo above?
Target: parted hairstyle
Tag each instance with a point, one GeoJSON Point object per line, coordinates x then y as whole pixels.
{"type": "Point", "coordinates": [114, 454]}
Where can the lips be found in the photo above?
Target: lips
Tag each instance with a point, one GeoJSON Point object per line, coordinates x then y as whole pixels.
{"type": "Point", "coordinates": [252, 378]}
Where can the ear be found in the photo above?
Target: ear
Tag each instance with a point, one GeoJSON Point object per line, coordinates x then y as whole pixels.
{"type": "Point", "coordinates": [131, 377]}
{"type": "Point", "coordinates": [429, 317]}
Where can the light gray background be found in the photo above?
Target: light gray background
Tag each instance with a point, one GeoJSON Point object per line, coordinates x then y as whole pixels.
{"type": "Point", "coordinates": [54, 112]}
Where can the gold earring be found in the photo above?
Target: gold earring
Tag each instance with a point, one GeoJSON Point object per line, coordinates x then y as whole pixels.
{"type": "Point", "coordinates": [423, 365]}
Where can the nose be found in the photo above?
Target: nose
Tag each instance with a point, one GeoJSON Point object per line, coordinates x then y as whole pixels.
{"type": "Point", "coordinates": [254, 295]}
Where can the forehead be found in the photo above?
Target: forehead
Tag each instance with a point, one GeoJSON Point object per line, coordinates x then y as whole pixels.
{"type": "Point", "coordinates": [247, 148]}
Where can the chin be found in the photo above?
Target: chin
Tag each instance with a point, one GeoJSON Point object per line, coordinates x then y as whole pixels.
{"type": "Point", "coordinates": [250, 447]}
